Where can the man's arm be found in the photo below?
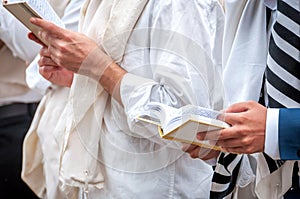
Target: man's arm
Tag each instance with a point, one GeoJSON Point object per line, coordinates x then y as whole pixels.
{"type": "Point", "coordinates": [289, 134]}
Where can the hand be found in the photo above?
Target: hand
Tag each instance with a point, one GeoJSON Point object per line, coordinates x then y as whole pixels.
{"type": "Point", "coordinates": [54, 73]}
{"type": "Point", "coordinates": [200, 152]}
{"type": "Point", "coordinates": [80, 54]}
{"type": "Point", "coordinates": [71, 50]}
{"type": "Point", "coordinates": [247, 131]}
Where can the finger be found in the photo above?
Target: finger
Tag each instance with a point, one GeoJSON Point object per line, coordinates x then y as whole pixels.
{"type": "Point", "coordinates": [46, 61]}
{"type": "Point", "coordinates": [44, 52]}
{"type": "Point", "coordinates": [204, 153]}
{"type": "Point", "coordinates": [49, 69]}
{"type": "Point", "coordinates": [209, 135]}
{"type": "Point", "coordinates": [50, 33]}
{"type": "Point", "coordinates": [194, 153]}
{"type": "Point", "coordinates": [238, 107]}
{"type": "Point", "coordinates": [220, 135]}
{"type": "Point", "coordinates": [55, 54]}
{"type": "Point", "coordinates": [235, 150]}
{"type": "Point", "coordinates": [234, 118]}
{"type": "Point", "coordinates": [221, 116]}
{"type": "Point", "coordinates": [232, 143]}
{"type": "Point", "coordinates": [229, 133]}
{"type": "Point", "coordinates": [34, 38]}
{"type": "Point", "coordinates": [188, 147]}
{"type": "Point", "coordinates": [207, 156]}
{"type": "Point", "coordinates": [48, 27]}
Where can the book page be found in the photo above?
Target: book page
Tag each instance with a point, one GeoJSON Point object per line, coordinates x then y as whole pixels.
{"type": "Point", "coordinates": [44, 9]}
{"type": "Point", "coordinates": [197, 110]}
{"type": "Point", "coordinates": [40, 7]}
{"type": "Point", "coordinates": [24, 10]}
{"type": "Point", "coordinates": [160, 114]}
{"type": "Point", "coordinates": [202, 115]}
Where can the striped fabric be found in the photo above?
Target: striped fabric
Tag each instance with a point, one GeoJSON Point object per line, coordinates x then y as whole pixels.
{"type": "Point", "coordinates": [283, 66]}
{"type": "Point", "coordinates": [225, 176]}
{"type": "Point", "coordinates": [283, 89]}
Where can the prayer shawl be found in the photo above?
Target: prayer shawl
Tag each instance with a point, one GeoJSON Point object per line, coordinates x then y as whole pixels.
{"type": "Point", "coordinates": [32, 161]}
{"type": "Point", "coordinates": [234, 175]}
{"type": "Point", "coordinates": [78, 129]}
{"type": "Point", "coordinates": [250, 176]}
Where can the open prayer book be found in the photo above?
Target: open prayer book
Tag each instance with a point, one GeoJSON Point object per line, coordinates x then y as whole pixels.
{"type": "Point", "coordinates": [183, 124]}
{"type": "Point", "coordinates": [24, 10]}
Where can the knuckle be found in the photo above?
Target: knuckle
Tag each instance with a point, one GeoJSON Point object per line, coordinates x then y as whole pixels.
{"type": "Point", "coordinates": [251, 103]}
{"type": "Point", "coordinates": [40, 63]}
{"type": "Point", "coordinates": [59, 58]}
{"type": "Point", "coordinates": [242, 119]}
{"type": "Point", "coordinates": [245, 142]}
{"type": "Point", "coordinates": [243, 132]}
{"type": "Point", "coordinates": [221, 134]}
{"type": "Point", "coordinates": [68, 37]}
{"type": "Point", "coordinates": [43, 60]}
{"type": "Point", "coordinates": [249, 144]}
{"type": "Point", "coordinates": [51, 26]}
{"type": "Point", "coordinates": [62, 48]}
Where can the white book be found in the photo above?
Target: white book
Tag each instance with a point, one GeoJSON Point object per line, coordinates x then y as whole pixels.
{"type": "Point", "coordinates": [183, 124]}
{"type": "Point", "coordinates": [24, 10]}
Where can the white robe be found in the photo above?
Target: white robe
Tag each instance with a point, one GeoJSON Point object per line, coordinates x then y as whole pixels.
{"type": "Point", "coordinates": [170, 57]}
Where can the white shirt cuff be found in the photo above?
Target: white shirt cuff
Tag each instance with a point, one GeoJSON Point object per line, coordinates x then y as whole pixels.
{"type": "Point", "coordinates": [271, 139]}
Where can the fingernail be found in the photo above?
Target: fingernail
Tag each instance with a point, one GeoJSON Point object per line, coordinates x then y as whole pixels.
{"type": "Point", "coordinates": [33, 20]}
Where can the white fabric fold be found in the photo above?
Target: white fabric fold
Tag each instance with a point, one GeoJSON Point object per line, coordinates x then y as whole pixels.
{"type": "Point", "coordinates": [76, 135]}
{"type": "Point", "coordinates": [81, 121]}
{"type": "Point", "coordinates": [273, 185]}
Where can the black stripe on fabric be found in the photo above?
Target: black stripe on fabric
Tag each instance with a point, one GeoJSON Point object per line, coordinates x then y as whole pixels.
{"type": "Point", "coordinates": [221, 179]}
{"type": "Point", "coordinates": [287, 35]}
{"type": "Point", "coordinates": [233, 179]}
{"type": "Point", "coordinates": [271, 163]}
{"type": "Point", "coordinates": [228, 159]}
{"type": "Point", "coordinates": [221, 158]}
{"type": "Point", "coordinates": [280, 163]}
{"type": "Point", "coordinates": [289, 11]}
{"type": "Point", "coordinates": [282, 86]}
{"type": "Point", "coordinates": [283, 59]}
{"type": "Point", "coordinates": [273, 103]}
{"type": "Point", "coordinates": [295, 178]}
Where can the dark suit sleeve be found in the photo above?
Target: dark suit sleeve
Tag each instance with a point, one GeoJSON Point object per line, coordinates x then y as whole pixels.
{"type": "Point", "coordinates": [289, 134]}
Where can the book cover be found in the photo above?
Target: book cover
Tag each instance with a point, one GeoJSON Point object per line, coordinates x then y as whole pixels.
{"type": "Point", "coordinates": [24, 10]}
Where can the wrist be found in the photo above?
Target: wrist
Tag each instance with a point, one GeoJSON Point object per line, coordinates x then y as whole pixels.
{"type": "Point", "coordinates": [94, 65]}
{"type": "Point", "coordinates": [111, 79]}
